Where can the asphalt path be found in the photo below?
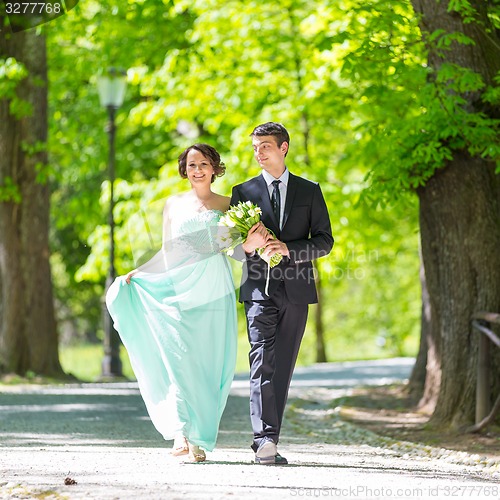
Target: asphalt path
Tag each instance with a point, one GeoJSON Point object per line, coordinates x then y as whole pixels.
{"type": "Point", "coordinates": [99, 437]}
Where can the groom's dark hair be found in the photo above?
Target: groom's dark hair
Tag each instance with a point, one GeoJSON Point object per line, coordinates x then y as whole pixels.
{"type": "Point", "coordinates": [277, 130]}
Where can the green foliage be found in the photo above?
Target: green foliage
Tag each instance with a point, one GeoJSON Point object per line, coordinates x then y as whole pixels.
{"type": "Point", "coordinates": [43, 171]}
{"type": "Point", "coordinates": [464, 8]}
{"type": "Point", "coordinates": [417, 119]}
{"type": "Point", "coordinates": [442, 40]}
{"type": "Point", "coordinates": [9, 191]}
{"type": "Point", "coordinates": [425, 142]}
{"type": "Point", "coordinates": [12, 73]}
{"type": "Point", "coordinates": [368, 119]}
{"type": "Point", "coordinates": [371, 288]}
{"type": "Point", "coordinates": [93, 36]}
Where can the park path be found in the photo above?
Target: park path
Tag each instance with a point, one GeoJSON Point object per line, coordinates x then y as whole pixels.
{"type": "Point", "coordinates": [100, 436]}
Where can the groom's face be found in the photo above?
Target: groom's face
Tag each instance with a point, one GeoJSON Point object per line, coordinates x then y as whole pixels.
{"type": "Point", "coordinates": [267, 153]}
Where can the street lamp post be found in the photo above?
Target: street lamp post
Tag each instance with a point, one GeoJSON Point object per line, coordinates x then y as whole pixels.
{"type": "Point", "coordinates": [111, 88]}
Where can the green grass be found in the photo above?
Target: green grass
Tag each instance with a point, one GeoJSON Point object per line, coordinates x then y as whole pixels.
{"type": "Point", "coordinates": [84, 361]}
{"type": "Point", "coordinates": [342, 348]}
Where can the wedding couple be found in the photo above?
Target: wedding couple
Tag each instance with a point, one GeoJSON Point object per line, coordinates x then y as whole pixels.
{"type": "Point", "coordinates": [176, 314]}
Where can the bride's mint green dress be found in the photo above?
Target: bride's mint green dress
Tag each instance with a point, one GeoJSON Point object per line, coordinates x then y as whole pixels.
{"type": "Point", "coordinates": [179, 328]}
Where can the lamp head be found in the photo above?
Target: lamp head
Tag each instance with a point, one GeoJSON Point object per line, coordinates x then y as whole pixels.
{"type": "Point", "coordinates": [111, 87]}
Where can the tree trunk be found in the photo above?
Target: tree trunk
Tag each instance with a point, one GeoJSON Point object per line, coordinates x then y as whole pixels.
{"type": "Point", "coordinates": [416, 383]}
{"type": "Point", "coordinates": [460, 233]}
{"type": "Point", "coordinates": [460, 240]}
{"type": "Point", "coordinates": [430, 338]}
{"type": "Point", "coordinates": [425, 379]}
{"type": "Point", "coordinates": [28, 337]}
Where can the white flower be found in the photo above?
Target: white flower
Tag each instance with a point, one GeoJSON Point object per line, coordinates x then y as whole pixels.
{"type": "Point", "coordinates": [248, 203]}
{"type": "Point", "coordinates": [239, 214]}
{"type": "Point", "coordinates": [251, 212]}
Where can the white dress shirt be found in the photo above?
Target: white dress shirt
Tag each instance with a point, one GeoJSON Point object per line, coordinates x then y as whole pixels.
{"type": "Point", "coordinates": [282, 186]}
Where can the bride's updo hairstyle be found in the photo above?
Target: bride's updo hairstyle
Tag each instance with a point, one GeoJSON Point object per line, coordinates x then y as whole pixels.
{"type": "Point", "coordinates": [209, 153]}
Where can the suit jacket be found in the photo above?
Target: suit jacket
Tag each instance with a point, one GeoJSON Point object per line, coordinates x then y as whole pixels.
{"type": "Point", "coordinates": [306, 231]}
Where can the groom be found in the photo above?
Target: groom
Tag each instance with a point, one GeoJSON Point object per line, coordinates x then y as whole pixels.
{"type": "Point", "coordinates": [276, 300]}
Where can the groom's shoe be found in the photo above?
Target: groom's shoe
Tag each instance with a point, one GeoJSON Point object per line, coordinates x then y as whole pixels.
{"type": "Point", "coordinates": [267, 454]}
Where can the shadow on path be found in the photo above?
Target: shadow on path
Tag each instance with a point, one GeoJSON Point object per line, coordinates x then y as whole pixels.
{"type": "Point", "coordinates": [114, 413]}
{"type": "Point", "coordinates": [102, 436]}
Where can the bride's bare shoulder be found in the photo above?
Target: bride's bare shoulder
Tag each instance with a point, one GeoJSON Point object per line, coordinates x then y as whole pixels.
{"type": "Point", "coordinates": [222, 202]}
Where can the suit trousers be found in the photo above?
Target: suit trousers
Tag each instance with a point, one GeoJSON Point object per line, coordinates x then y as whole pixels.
{"type": "Point", "coordinates": [275, 331]}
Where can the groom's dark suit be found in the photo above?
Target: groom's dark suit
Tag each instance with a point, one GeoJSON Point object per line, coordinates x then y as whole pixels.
{"type": "Point", "coordinates": [276, 322]}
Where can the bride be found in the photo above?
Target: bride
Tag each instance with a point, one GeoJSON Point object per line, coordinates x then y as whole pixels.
{"type": "Point", "coordinates": [176, 314]}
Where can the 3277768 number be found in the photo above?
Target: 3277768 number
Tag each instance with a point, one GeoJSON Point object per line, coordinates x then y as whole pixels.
{"type": "Point", "coordinates": [33, 8]}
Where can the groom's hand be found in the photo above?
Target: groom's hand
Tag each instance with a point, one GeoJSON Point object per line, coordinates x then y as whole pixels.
{"type": "Point", "coordinates": [274, 246]}
{"type": "Point", "coordinates": [257, 237]}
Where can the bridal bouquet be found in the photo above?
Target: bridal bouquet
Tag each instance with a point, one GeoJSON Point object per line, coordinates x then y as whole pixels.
{"type": "Point", "coordinates": [238, 220]}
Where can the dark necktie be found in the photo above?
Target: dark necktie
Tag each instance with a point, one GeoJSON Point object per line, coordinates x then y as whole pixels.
{"type": "Point", "coordinates": [276, 201]}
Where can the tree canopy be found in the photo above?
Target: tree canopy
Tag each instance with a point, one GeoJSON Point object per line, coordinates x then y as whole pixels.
{"type": "Point", "coordinates": [209, 72]}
